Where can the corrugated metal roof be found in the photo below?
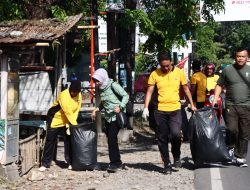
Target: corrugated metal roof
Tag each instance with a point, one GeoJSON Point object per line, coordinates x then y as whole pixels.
{"type": "Point", "coordinates": [20, 31]}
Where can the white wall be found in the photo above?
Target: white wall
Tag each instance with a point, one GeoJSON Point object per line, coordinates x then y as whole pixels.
{"type": "Point", "coordinates": [185, 51]}
{"type": "Point", "coordinates": [35, 91]}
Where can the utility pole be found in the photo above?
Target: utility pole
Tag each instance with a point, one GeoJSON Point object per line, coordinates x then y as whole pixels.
{"type": "Point", "coordinates": [124, 38]}
{"type": "Point", "coordinates": [112, 42]}
{"type": "Point", "coordinates": [95, 50]}
{"type": "Point", "coordinates": [93, 42]}
{"type": "Point", "coordinates": [95, 22]}
{"type": "Point", "coordinates": [129, 51]}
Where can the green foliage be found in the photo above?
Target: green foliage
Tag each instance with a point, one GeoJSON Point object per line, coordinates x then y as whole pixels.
{"type": "Point", "coordinates": [58, 12]}
{"type": "Point", "coordinates": [104, 63]}
{"type": "Point", "coordinates": [210, 6]}
{"type": "Point", "coordinates": [144, 61]}
{"type": "Point", "coordinates": [217, 43]}
{"type": "Point", "coordinates": [165, 21]}
{"type": "Point", "coordinates": [10, 10]}
{"type": "Point", "coordinates": [134, 17]}
{"type": "Point", "coordinates": [205, 46]}
{"type": "Point", "coordinates": [234, 35]}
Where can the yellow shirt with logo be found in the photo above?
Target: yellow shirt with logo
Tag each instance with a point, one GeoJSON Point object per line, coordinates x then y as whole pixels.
{"type": "Point", "coordinates": [70, 108]}
{"type": "Point", "coordinates": [200, 80]}
{"type": "Point", "coordinates": [168, 85]}
{"type": "Point", "coordinates": [211, 82]}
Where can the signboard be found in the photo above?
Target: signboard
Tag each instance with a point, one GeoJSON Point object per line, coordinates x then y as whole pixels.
{"type": "Point", "coordinates": [102, 35]}
{"type": "Point", "coordinates": [235, 10]}
{"type": "Point", "coordinates": [114, 5]}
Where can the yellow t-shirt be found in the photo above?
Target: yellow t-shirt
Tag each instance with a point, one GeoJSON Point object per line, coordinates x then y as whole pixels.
{"type": "Point", "coordinates": [70, 108]}
{"type": "Point", "coordinates": [200, 80]}
{"type": "Point", "coordinates": [168, 85]}
{"type": "Point", "coordinates": [211, 82]}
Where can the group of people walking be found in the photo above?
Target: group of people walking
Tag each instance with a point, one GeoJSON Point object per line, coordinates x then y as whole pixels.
{"type": "Point", "coordinates": [167, 80]}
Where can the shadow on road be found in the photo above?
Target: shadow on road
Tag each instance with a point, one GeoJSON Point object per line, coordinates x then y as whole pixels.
{"type": "Point", "coordinates": [145, 166]}
{"type": "Point", "coordinates": [188, 163]}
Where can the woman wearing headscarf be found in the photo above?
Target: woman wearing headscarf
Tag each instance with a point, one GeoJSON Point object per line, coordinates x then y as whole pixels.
{"type": "Point", "coordinates": [111, 105]}
{"type": "Point", "coordinates": [63, 113]}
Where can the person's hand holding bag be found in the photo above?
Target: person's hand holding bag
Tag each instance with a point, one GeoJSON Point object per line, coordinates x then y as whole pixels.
{"type": "Point", "coordinates": [145, 113]}
{"type": "Point", "coordinates": [121, 118]}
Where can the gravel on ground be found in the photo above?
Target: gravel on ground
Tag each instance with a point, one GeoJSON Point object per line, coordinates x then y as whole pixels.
{"type": "Point", "coordinates": [143, 166]}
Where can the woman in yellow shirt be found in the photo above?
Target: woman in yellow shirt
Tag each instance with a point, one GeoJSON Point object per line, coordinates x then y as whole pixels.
{"type": "Point", "coordinates": [64, 112]}
{"type": "Point", "coordinates": [212, 78]}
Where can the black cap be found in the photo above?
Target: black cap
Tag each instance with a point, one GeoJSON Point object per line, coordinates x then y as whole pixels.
{"type": "Point", "coordinates": [75, 86]}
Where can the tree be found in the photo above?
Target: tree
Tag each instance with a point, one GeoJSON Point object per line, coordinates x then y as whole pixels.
{"type": "Point", "coordinates": [166, 21]}
{"type": "Point", "coordinates": [10, 9]}
{"type": "Point", "coordinates": [30, 9]}
{"type": "Point", "coordinates": [206, 47]}
{"type": "Point", "coordinates": [234, 35]}
{"type": "Point", "coordinates": [60, 9]}
{"type": "Point", "coordinates": [217, 43]}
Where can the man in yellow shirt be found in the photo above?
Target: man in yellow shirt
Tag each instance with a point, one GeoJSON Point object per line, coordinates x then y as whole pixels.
{"type": "Point", "coordinates": [63, 113]}
{"type": "Point", "coordinates": [198, 84]}
{"type": "Point", "coordinates": [168, 80]}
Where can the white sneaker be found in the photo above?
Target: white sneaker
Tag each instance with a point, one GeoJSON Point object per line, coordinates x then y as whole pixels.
{"type": "Point", "coordinates": [70, 167]}
{"type": "Point", "coordinates": [244, 165]}
{"type": "Point", "coordinates": [42, 169]}
{"type": "Point", "coordinates": [242, 162]}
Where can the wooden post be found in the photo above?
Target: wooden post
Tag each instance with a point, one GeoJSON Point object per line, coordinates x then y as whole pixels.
{"type": "Point", "coordinates": [4, 99]}
{"type": "Point", "coordinates": [4, 86]}
{"type": "Point", "coordinates": [112, 42]}
{"type": "Point", "coordinates": [130, 51]}
{"type": "Point", "coordinates": [92, 50]}
{"type": "Point", "coordinates": [95, 42]}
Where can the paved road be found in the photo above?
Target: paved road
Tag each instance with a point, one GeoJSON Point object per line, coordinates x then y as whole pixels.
{"type": "Point", "coordinates": [223, 178]}
{"type": "Point", "coordinates": [227, 177]}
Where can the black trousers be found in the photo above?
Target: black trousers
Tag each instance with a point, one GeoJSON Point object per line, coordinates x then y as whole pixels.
{"type": "Point", "coordinates": [237, 118]}
{"type": "Point", "coordinates": [50, 146]}
{"type": "Point", "coordinates": [151, 118]}
{"type": "Point", "coordinates": [112, 130]}
{"type": "Point", "coordinates": [168, 130]}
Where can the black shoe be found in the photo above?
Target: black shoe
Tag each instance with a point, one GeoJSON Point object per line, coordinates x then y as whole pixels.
{"type": "Point", "coordinates": [177, 164]}
{"type": "Point", "coordinates": [167, 168]}
{"type": "Point", "coordinates": [112, 168]}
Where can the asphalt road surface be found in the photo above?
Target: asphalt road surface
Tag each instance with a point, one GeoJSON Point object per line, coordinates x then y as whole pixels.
{"type": "Point", "coordinates": [226, 177]}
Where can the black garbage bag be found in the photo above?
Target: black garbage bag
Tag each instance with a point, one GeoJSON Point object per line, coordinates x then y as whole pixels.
{"type": "Point", "coordinates": [207, 143]}
{"type": "Point", "coordinates": [84, 146]}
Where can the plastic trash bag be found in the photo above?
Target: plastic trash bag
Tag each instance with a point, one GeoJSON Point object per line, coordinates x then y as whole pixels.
{"type": "Point", "coordinates": [84, 146]}
{"type": "Point", "coordinates": [206, 139]}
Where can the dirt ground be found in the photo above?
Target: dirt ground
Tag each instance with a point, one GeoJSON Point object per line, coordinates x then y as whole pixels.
{"type": "Point", "coordinates": [142, 170]}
